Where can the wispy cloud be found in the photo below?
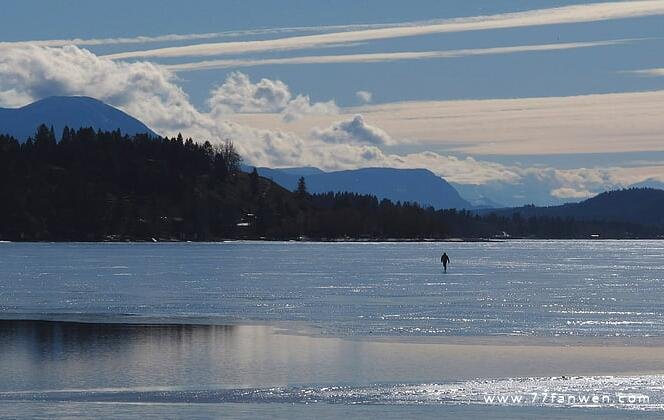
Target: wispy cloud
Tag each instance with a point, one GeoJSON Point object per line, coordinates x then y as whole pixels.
{"type": "Point", "coordinates": [384, 57]}
{"type": "Point", "coordinates": [560, 15]}
{"type": "Point", "coordinates": [144, 39]}
{"type": "Point", "coordinates": [647, 72]}
{"type": "Point", "coordinates": [115, 41]}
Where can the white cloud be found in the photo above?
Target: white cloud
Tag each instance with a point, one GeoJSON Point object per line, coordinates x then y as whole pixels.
{"type": "Point", "coordinates": [567, 192]}
{"type": "Point", "coordinates": [353, 131]}
{"type": "Point", "coordinates": [659, 72]}
{"type": "Point", "coordinates": [454, 169]}
{"type": "Point", "coordinates": [386, 57]}
{"type": "Point", "coordinates": [121, 40]}
{"type": "Point", "coordinates": [14, 98]}
{"type": "Point", "coordinates": [302, 105]}
{"type": "Point", "coordinates": [239, 94]}
{"type": "Point", "coordinates": [561, 15]}
{"type": "Point", "coordinates": [145, 89]}
{"type": "Point", "coordinates": [578, 183]}
{"type": "Point", "coordinates": [547, 186]}
{"type": "Point", "coordinates": [364, 96]}
{"type": "Point", "coordinates": [143, 39]}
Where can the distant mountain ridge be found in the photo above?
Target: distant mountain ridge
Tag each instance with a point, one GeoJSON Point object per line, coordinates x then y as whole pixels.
{"type": "Point", "coordinates": [649, 183]}
{"type": "Point", "coordinates": [414, 185]}
{"type": "Point", "coordinates": [634, 205]}
{"type": "Point", "coordinates": [72, 111]}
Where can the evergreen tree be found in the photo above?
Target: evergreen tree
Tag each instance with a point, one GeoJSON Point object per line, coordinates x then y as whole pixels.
{"type": "Point", "coordinates": [44, 137]}
{"type": "Point", "coordinates": [66, 135]}
{"type": "Point", "coordinates": [301, 190]}
{"type": "Point", "coordinates": [232, 158]}
{"type": "Point", "coordinates": [254, 182]}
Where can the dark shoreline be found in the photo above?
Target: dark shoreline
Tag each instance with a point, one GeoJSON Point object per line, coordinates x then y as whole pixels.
{"type": "Point", "coordinates": [313, 240]}
{"type": "Point", "coordinates": [326, 240]}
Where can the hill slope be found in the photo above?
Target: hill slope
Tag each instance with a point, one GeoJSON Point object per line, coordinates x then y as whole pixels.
{"type": "Point", "coordinates": [414, 185]}
{"type": "Point", "coordinates": [634, 205]}
{"type": "Point", "coordinates": [72, 111]}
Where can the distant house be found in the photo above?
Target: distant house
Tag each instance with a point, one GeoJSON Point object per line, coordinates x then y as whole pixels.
{"type": "Point", "coordinates": [247, 220]}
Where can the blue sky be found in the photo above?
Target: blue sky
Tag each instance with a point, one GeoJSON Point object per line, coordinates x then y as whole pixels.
{"type": "Point", "coordinates": [532, 74]}
{"type": "Point", "coordinates": [600, 48]}
{"type": "Point", "coordinates": [80, 18]}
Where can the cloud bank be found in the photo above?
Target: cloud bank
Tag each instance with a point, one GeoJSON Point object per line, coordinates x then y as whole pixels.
{"type": "Point", "coordinates": [598, 123]}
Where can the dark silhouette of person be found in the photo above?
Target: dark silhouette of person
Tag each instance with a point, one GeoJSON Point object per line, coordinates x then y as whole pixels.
{"type": "Point", "coordinates": [445, 259]}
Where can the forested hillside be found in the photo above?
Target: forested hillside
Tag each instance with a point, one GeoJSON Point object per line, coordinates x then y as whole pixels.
{"type": "Point", "coordinates": [92, 186]}
{"type": "Point", "coordinates": [632, 205]}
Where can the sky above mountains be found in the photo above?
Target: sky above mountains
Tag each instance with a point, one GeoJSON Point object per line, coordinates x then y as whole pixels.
{"type": "Point", "coordinates": [553, 99]}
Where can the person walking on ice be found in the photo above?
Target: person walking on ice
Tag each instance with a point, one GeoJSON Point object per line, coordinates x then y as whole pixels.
{"type": "Point", "coordinates": [445, 260]}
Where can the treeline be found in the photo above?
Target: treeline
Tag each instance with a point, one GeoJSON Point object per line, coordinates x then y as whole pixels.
{"type": "Point", "coordinates": [632, 205]}
{"type": "Point", "coordinates": [94, 186]}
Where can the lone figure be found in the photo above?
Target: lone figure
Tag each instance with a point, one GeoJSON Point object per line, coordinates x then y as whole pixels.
{"type": "Point", "coordinates": [445, 259]}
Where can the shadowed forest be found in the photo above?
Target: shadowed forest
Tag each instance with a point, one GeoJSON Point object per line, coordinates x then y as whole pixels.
{"type": "Point", "coordinates": [104, 186]}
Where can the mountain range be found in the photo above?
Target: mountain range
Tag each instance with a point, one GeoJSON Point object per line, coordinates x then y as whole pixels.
{"type": "Point", "coordinates": [414, 185]}
{"type": "Point", "coordinates": [72, 111]}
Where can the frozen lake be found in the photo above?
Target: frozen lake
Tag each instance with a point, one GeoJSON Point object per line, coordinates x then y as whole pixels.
{"type": "Point", "coordinates": [249, 329]}
{"type": "Point", "coordinates": [542, 288]}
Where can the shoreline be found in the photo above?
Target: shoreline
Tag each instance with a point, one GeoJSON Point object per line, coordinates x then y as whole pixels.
{"type": "Point", "coordinates": [330, 241]}
{"type": "Point", "coordinates": [308, 240]}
